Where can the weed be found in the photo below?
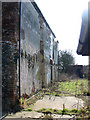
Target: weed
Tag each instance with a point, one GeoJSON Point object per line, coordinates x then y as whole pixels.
{"type": "Point", "coordinates": [59, 112]}
{"type": "Point", "coordinates": [74, 110]}
{"type": "Point", "coordinates": [41, 110]}
{"type": "Point", "coordinates": [48, 117]}
{"type": "Point", "coordinates": [56, 111]}
{"type": "Point", "coordinates": [65, 111]}
{"type": "Point", "coordinates": [47, 93]}
{"type": "Point", "coordinates": [80, 112]}
{"type": "Point", "coordinates": [49, 111]}
{"type": "Point", "coordinates": [28, 109]}
{"type": "Point", "coordinates": [45, 111]}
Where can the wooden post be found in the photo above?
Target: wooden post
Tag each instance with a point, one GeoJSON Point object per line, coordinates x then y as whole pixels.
{"type": "Point", "coordinates": [25, 103]}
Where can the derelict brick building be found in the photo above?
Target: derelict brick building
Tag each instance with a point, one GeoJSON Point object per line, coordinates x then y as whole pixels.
{"type": "Point", "coordinates": [29, 51]}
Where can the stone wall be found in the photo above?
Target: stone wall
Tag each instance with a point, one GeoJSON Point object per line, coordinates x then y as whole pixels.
{"type": "Point", "coordinates": [75, 70]}
{"type": "Point", "coordinates": [85, 71]}
{"type": "Point", "coordinates": [47, 39]}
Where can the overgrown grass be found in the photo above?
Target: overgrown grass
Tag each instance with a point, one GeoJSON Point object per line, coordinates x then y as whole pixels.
{"type": "Point", "coordinates": [74, 87]}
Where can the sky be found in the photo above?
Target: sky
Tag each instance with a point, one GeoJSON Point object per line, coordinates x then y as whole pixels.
{"type": "Point", "coordinates": [64, 17]}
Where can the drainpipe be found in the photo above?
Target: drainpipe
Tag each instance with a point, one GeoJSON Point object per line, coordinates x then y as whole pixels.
{"type": "Point", "coordinates": [53, 49]}
{"type": "Point", "coordinates": [58, 65]}
{"type": "Point", "coordinates": [19, 46]}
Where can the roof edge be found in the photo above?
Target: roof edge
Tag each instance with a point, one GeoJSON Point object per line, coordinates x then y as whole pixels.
{"type": "Point", "coordinates": [40, 13]}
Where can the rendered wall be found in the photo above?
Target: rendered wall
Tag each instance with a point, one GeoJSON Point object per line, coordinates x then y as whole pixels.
{"type": "Point", "coordinates": [30, 50]}
{"type": "Point", "coordinates": [56, 61]}
{"type": "Point", "coordinates": [47, 39]}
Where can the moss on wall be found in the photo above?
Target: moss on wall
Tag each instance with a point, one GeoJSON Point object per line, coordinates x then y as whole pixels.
{"type": "Point", "coordinates": [39, 76]}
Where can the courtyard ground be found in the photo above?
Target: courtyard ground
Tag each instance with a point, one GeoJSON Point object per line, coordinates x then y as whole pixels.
{"type": "Point", "coordinates": [63, 100]}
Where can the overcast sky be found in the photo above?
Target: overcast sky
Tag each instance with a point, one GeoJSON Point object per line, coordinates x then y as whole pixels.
{"type": "Point", "coordinates": [64, 18]}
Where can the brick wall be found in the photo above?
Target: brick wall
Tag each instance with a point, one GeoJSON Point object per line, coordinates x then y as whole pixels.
{"type": "Point", "coordinates": [0, 59]}
{"type": "Point", "coordinates": [10, 38]}
{"type": "Point", "coordinates": [75, 70]}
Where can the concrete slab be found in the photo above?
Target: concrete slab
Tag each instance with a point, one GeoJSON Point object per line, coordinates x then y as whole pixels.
{"type": "Point", "coordinates": [57, 102]}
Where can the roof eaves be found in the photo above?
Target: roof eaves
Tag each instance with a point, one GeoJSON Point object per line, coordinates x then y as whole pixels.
{"type": "Point", "coordinates": [83, 40]}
